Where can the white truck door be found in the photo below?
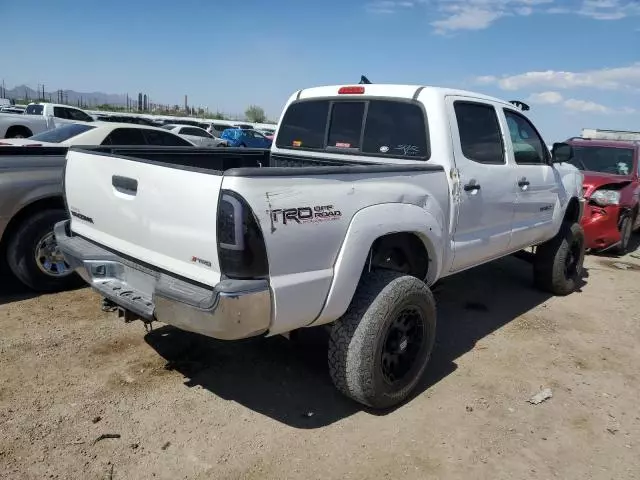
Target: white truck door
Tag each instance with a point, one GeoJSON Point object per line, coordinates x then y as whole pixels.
{"type": "Point", "coordinates": [487, 194]}
{"type": "Point", "coordinates": [537, 182]}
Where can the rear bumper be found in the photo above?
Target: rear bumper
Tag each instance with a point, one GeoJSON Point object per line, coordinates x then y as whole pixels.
{"type": "Point", "coordinates": [232, 310]}
{"type": "Point", "coordinates": [600, 224]}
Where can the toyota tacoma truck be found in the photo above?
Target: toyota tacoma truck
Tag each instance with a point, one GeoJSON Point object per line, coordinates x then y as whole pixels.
{"type": "Point", "coordinates": [369, 195]}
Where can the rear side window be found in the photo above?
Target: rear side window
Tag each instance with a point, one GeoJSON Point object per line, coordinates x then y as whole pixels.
{"type": "Point", "coordinates": [125, 136]}
{"type": "Point", "coordinates": [391, 128]}
{"type": "Point", "coordinates": [480, 136]}
{"type": "Point", "coordinates": [159, 137]}
{"type": "Point", "coordinates": [193, 131]}
{"type": "Point", "coordinates": [34, 110]}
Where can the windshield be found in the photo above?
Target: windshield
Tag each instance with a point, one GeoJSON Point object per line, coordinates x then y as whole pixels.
{"type": "Point", "coordinates": [34, 109]}
{"type": "Point", "coordinates": [617, 161]}
{"type": "Point", "coordinates": [63, 133]}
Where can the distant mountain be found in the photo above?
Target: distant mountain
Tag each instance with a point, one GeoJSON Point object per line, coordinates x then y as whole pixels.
{"type": "Point", "coordinates": [70, 96]}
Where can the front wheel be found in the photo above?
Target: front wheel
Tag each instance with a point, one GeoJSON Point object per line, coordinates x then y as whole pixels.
{"type": "Point", "coordinates": [379, 349]}
{"type": "Point", "coordinates": [33, 255]}
{"type": "Point", "coordinates": [558, 262]}
{"type": "Point", "coordinates": [626, 229]}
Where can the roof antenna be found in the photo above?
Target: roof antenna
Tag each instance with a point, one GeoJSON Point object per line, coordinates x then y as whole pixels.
{"type": "Point", "coordinates": [521, 105]}
{"type": "Point", "coordinates": [364, 80]}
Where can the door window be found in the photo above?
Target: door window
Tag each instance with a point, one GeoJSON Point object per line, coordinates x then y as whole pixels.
{"type": "Point", "coordinates": [528, 147]}
{"type": "Point", "coordinates": [480, 135]}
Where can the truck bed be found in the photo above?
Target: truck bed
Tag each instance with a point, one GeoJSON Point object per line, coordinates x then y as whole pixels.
{"type": "Point", "coordinates": [248, 162]}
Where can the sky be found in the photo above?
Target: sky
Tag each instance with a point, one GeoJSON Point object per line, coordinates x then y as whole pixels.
{"type": "Point", "coordinates": [576, 62]}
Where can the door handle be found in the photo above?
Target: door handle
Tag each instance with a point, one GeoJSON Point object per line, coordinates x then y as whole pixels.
{"type": "Point", "coordinates": [125, 184]}
{"type": "Point", "coordinates": [523, 183]}
{"type": "Point", "coordinates": [470, 187]}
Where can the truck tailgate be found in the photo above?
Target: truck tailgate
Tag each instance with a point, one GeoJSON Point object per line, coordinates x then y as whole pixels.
{"type": "Point", "coordinates": [156, 213]}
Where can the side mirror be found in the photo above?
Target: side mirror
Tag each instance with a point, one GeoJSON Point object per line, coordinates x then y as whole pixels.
{"type": "Point", "coordinates": [561, 153]}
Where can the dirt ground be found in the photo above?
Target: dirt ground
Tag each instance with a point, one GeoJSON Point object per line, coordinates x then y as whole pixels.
{"type": "Point", "coordinates": [185, 406]}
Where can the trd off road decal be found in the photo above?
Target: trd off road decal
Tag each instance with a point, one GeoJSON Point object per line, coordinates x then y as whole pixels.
{"type": "Point", "coordinates": [319, 213]}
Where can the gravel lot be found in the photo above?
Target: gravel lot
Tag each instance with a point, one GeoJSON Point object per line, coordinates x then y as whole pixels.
{"type": "Point", "coordinates": [185, 406]}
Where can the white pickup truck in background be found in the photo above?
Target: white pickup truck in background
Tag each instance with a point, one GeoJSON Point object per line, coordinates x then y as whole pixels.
{"type": "Point", "coordinates": [38, 118]}
{"type": "Point", "coordinates": [369, 195]}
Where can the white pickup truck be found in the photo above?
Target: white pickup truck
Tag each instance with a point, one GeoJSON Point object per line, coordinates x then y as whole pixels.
{"type": "Point", "coordinates": [369, 195]}
{"type": "Point", "coordinates": [38, 118]}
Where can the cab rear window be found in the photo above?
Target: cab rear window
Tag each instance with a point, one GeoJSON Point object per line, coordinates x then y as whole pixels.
{"type": "Point", "coordinates": [369, 127]}
{"type": "Point", "coordinates": [34, 110]}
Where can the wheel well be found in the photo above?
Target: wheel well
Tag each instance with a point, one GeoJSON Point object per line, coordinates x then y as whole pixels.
{"type": "Point", "coordinates": [572, 215]}
{"type": "Point", "coordinates": [18, 128]}
{"type": "Point", "coordinates": [49, 203]}
{"type": "Point", "coordinates": [402, 252]}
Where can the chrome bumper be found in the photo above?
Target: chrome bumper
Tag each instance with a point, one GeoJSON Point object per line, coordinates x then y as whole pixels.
{"type": "Point", "coordinates": [232, 310]}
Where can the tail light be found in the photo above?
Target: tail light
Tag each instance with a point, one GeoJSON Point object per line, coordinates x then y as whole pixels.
{"type": "Point", "coordinates": [241, 249]}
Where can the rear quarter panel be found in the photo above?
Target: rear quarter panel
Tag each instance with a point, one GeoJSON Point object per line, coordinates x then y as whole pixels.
{"type": "Point", "coordinates": [305, 220]}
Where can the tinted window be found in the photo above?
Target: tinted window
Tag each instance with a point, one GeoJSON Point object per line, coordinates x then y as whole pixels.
{"type": "Point", "coordinates": [168, 127]}
{"type": "Point", "coordinates": [392, 128]}
{"type": "Point", "coordinates": [125, 136]}
{"type": "Point", "coordinates": [60, 112]}
{"type": "Point", "coordinates": [193, 131]}
{"type": "Point", "coordinates": [395, 128]}
{"type": "Point", "coordinates": [63, 133]}
{"type": "Point", "coordinates": [158, 137]}
{"type": "Point", "coordinates": [304, 125]}
{"type": "Point", "coordinates": [34, 109]}
{"type": "Point", "coordinates": [345, 125]}
{"type": "Point", "coordinates": [78, 115]}
{"type": "Point", "coordinates": [528, 147]}
{"type": "Point", "coordinates": [618, 161]}
{"type": "Point", "coordinates": [480, 136]}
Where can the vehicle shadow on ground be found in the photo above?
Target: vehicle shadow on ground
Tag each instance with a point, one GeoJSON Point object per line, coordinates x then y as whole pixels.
{"type": "Point", "coordinates": [291, 383]}
{"type": "Point", "coordinates": [11, 290]}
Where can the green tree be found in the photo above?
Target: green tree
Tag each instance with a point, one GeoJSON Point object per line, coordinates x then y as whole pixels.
{"type": "Point", "coordinates": [255, 114]}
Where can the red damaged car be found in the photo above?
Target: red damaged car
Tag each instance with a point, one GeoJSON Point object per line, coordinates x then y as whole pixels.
{"type": "Point", "coordinates": [611, 188]}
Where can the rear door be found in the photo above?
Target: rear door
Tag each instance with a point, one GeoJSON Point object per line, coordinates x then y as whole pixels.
{"type": "Point", "coordinates": [537, 182]}
{"type": "Point", "coordinates": [156, 214]}
{"type": "Point", "coordinates": [485, 202]}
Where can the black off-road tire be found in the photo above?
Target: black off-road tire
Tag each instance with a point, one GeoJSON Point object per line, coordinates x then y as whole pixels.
{"type": "Point", "coordinates": [21, 252]}
{"type": "Point", "coordinates": [558, 262]}
{"type": "Point", "coordinates": [626, 229]}
{"type": "Point", "coordinates": [360, 337]}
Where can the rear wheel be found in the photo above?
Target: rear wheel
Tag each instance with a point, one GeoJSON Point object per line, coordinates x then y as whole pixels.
{"type": "Point", "coordinates": [33, 255]}
{"type": "Point", "coordinates": [379, 349]}
{"type": "Point", "coordinates": [18, 132]}
{"type": "Point", "coordinates": [558, 262]}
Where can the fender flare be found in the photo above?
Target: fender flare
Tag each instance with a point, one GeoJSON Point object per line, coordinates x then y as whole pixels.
{"type": "Point", "coordinates": [368, 225]}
